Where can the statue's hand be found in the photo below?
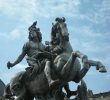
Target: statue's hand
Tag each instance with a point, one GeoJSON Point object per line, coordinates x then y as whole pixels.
{"type": "Point", "coordinates": [9, 65]}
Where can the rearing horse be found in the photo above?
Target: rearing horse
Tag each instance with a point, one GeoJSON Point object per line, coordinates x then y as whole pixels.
{"type": "Point", "coordinates": [67, 63]}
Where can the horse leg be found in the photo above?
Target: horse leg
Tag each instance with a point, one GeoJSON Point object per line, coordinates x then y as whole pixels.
{"type": "Point", "coordinates": [86, 66]}
{"type": "Point", "coordinates": [82, 56]}
{"type": "Point", "coordinates": [99, 65]}
{"type": "Point", "coordinates": [67, 67]}
{"type": "Point", "coordinates": [69, 64]}
{"type": "Point", "coordinates": [82, 72]}
{"type": "Point", "coordinates": [82, 91]}
{"type": "Point", "coordinates": [48, 73]}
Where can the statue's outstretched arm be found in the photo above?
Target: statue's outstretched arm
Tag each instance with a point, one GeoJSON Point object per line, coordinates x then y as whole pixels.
{"type": "Point", "coordinates": [18, 60]}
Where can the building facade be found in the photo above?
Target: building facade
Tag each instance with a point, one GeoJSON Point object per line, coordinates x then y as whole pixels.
{"type": "Point", "coordinates": [99, 96]}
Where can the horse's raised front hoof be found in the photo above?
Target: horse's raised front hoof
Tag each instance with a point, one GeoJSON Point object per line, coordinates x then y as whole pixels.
{"type": "Point", "coordinates": [101, 67]}
{"type": "Point", "coordinates": [102, 70]}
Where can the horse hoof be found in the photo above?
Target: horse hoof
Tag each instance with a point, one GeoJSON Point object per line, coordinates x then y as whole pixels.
{"type": "Point", "coordinates": [102, 70]}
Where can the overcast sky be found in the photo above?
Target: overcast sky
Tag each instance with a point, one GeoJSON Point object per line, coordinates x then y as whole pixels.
{"type": "Point", "coordinates": [88, 24]}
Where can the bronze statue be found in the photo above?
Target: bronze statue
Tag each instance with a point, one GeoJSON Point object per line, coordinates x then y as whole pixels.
{"type": "Point", "coordinates": [50, 67]}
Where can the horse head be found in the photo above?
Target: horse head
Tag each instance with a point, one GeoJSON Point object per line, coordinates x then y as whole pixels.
{"type": "Point", "coordinates": [16, 83]}
{"type": "Point", "coordinates": [59, 31]}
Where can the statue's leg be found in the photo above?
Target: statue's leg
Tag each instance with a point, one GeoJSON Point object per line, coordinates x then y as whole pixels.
{"type": "Point", "coordinates": [99, 66]}
{"type": "Point", "coordinates": [48, 73]}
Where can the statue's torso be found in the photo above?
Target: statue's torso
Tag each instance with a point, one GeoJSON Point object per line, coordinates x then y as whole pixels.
{"type": "Point", "coordinates": [33, 48]}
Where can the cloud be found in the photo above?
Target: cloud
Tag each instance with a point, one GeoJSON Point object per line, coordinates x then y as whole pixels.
{"type": "Point", "coordinates": [91, 41]}
{"type": "Point", "coordinates": [22, 10]}
{"type": "Point", "coordinates": [103, 14]}
{"type": "Point", "coordinates": [86, 31]}
{"type": "Point", "coordinates": [100, 13]}
{"type": "Point", "coordinates": [90, 46]}
{"type": "Point", "coordinates": [13, 35]}
{"type": "Point", "coordinates": [27, 10]}
{"type": "Point", "coordinates": [96, 47]}
{"type": "Point", "coordinates": [108, 76]}
{"type": "Point", "coordinates": [107, 60]}
{"type": "Point", "coordinates": [56, 8]}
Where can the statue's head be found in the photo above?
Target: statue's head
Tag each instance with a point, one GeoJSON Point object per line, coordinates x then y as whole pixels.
{"type": "Point", "coordinates": [34, 33]}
